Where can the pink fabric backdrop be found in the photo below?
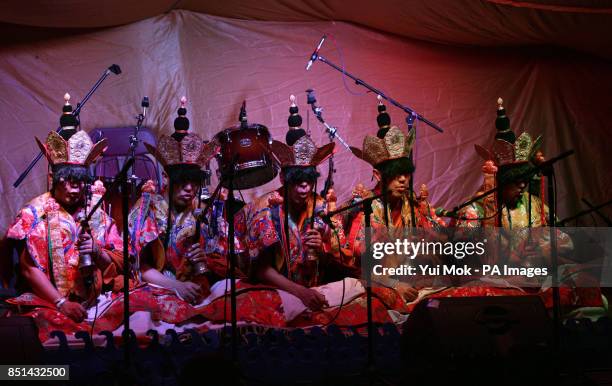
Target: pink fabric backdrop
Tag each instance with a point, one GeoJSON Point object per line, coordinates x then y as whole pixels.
{"type": "Point", "coordinates": [578, 24]}
{"type": "Point", "coordinates": [218, 62]}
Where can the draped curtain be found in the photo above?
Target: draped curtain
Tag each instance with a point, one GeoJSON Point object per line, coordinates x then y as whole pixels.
{"type": "Point", "coordinates": [448, 60]}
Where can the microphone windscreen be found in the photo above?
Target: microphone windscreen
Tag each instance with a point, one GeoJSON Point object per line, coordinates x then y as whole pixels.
{"type": "Point", "coordinates": [115, 69]}
{"type": "Point", "coordinates": [310, 97]}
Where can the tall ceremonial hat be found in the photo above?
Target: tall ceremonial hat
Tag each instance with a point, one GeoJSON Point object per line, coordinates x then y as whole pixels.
{"type": "Point", "coordinates": [70, 148]}
{"type": "Point", "coordinates": [513, 156]}
{"type": "Point", "coordinates": [390, 142]}
{"type": "Point", "coordinates": [182, 149]}
{"type": "Point", "coordinates": [300, 150]}
{"type": "Point", "coordinates": [183, 155]}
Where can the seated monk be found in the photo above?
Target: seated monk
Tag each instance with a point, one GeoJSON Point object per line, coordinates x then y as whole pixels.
{"type": "Point", "coordinates": [66, 266]}
{"type": "Point", "coordinates": [394, 214]}
{"type": "Point", "coordinates": [166, 232]}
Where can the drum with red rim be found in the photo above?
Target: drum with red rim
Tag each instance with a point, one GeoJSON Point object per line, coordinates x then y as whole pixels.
{"type": "Point", "coordinates": [245, 157]}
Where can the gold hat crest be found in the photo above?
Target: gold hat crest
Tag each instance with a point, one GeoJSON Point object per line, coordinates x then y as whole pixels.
{"type": "Point", "coordinates": [303, 153]}
{"type": "Point", "coordinates": [394, 145]}
{"type": "Point", "coordinates": [78, 150]}
{"type": "Point", "coordinates": [191, 150]}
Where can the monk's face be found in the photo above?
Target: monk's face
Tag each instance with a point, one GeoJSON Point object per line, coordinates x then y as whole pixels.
{"type": "Point", "coordinates": [512, 192]}
{"type": "Point", "coordinates": [69, 193]}
{"type": "Point", "coordinates": [299, 192]}
{"type": "Point", "coordinates": [397, 186]}
{"type": "Point", "coordinates": [184, 194]}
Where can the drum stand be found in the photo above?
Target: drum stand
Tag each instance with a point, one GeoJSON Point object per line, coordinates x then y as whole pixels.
{"type": "Point", "coordinates": [229, 205]}
{"type": "Point", "coordinates": [230, 215]}
{"type": "Point", "coordinates": [121, 179]}
{"type": "Point", "coordinates": [366, 207]}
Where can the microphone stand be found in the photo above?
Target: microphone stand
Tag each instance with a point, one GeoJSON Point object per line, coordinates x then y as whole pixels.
{"type": "Point", "coordinates": [412, 115]}
{"type": "Point", "coordinates": [395, 103]}
{"type": "Point", "coordinates": [329, 181]}
{"type": "Point", "coordinates": [134, 142]}
{"type": "Point", "coordinates": [332, 132]}
{"type": "Point", "coordinates": [366, 206]}
{"type": "Point", "coordinates": [331, 214]}
{"type": "Point", "coordinates": [232, 266]}
{"type": "Point", "coordinates": [126, 262]}
{"type": "Point", "coordinates": [367, 211]}
{"type": "Point", "coordinates": [115, 69]}
{"type": "Point", "coordinates": [229, 207]}
{"type": "Point", "coordinates": [121, 179]}
{"type": "Point", "coordinates": [549, 172]}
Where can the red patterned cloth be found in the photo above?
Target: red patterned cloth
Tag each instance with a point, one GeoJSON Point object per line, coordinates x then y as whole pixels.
{"type": "Point", "coordinates": [586, 297]}
{"type": "Point", "coordinates": [355, 313]}
{"type": "Point", "coordinates": [256, 304]}
{"type": "Point", "coordinates": [49, 319]}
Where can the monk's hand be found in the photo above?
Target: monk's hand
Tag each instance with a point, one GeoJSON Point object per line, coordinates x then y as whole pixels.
{"type": "Point", "coordinates": [188, 291]}
{"type": "Point", "coordinates": [195, 254]}
{"type": "Point", "coordinates": [312, 299]}
{"type": "Point", "coordinates": [74, 311]}
{"type": "Point", "coordinates": [312, 239]}
{"type": "Point", "coordinates": [87, 245]}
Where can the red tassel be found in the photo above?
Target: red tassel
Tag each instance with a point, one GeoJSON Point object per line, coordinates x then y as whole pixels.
{"type": "Point", "coordinates": [497, 206]}
{"type": "Point", "coordinates": [542, 211]}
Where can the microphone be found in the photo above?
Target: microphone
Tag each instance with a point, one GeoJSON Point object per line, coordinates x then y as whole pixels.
{"type": "Point", "coordinates": [310, 97]}
{"type": "Point", "coordinates": [115, 69]}
{"type": "Point", "coordinates": [242, 117]}
{"type": "Point", "coordinates": [315, 54]}
{"type": "Point", "coordinates": [145, 106]}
